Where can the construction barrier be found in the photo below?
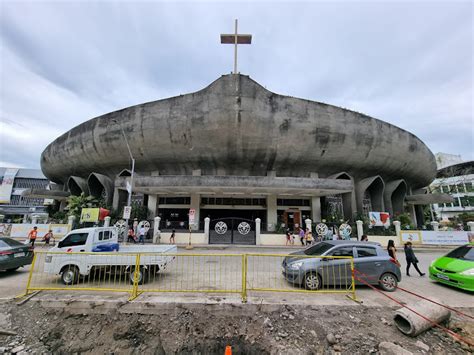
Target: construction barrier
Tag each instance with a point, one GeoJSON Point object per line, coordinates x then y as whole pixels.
{"type": "Point", "coordinates": [190, 273]}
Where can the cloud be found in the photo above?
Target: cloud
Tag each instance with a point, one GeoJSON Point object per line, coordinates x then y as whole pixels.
{"type": "Point", "coordinates": [406, 63]}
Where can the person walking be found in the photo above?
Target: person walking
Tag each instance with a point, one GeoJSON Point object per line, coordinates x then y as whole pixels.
{"type": "Point", "coordinates": [309, 237]}
{"type": "Point", "coordinates": [172, 241]}
{"type": "Point", "coordinates": [288, 237]}
{"type": "Point", "coordinates": [411, 259]}
{"type": "Point", "coordinates": [141, 235]}
{"type": "Point", "coordinates": [32, 236]}
{"type": "Point", "coordinates": [47, 237]}
{"type": "Point", "coordinates": [301, 235]}
{"type": "Point", "coordinates": [392, 251]}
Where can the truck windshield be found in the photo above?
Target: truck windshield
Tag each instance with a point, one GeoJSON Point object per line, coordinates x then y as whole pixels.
{"type": "Point", "coordinates": [318, 249]}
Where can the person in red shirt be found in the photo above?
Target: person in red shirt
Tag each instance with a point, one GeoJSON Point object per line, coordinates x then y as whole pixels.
{"type": "Point", "coordinates": [32, 235]}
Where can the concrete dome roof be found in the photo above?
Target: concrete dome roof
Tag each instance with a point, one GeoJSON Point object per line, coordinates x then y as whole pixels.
{"type": "Point", "coordinates": [236, 127]}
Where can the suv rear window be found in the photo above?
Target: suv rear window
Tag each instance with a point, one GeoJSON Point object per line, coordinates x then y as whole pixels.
{"type": "Point", "coordinates": [365, 252]}
{"type": "Point", "coordinates": [466, 252]}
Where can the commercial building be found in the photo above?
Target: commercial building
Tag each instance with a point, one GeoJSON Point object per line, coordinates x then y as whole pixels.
{"type": "Point", "coordinates": [13, 182]}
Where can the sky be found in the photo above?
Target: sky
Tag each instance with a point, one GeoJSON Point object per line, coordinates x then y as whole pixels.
{"type": "Point", "coordinates": [63, 63]}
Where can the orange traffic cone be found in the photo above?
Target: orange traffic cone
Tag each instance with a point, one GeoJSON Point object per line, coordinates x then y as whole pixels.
{"type": "Point", "coordinates": [228, 350]}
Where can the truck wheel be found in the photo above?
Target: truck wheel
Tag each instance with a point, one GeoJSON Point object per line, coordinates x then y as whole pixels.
{"type": "Point", "coordinates": [69, 275]}
{"type": "Point", "coordinates": [141, 275]}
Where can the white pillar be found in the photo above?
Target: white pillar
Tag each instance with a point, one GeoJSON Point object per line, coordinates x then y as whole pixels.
{"type": "Point", "coordinates": [360, 229]}
{"type": "Point", "coordinates": [307, 221]}
{"type": "Point", "coordinates": [152, 203]}
{"type": "Point", "coordinates": [1, 217]}
{"type": "Point", "coordinates": [25, 218]}
{"type": "Point", "coordinates": [195, 203]}
{"type": "Point", "coordinates": [258, 221]}
{"type": "Point", "coordinates": [207, 222]}
{"type": "Point", "coordinates": [435, 226]}
{"type": "Point", "coordinates": [316, 209]}
{"type": "Point", "coordinates": [34, 219]}
{"type": "Point", "coordinates": [107, 222]}
{"type": "Point", "coordinates": [397, 227]}
{"type": "Point", "coordinates": [271, 213]}
{"type": "Point", "coordinates": [156, 230]}
{"type": "Point", "coordinates": [70, 221]}
{"type": "Point", "coordinates": [471, 226]}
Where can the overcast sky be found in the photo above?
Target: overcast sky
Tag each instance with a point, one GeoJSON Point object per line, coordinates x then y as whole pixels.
{"type": "Point", "coordinates": [410, 64]}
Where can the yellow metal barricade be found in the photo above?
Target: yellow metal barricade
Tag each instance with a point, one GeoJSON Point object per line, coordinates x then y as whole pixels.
{"type": "Point", "coordinates": [59, 271]}
{"type": "Point", "coordinates": [208, 273]}
{"type": "Point", "coordinates": [190, 273]}
{"type": "Point", "coordinates": [300, 273]}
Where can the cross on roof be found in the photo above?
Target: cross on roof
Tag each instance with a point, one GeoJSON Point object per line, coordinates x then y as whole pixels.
{"type": "Point", "coordinates": [236, 39]}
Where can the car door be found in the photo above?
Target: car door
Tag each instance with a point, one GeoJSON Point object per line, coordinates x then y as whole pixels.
{"type": "Point", "coordinates": [337, 271]}
{"type": "Point", "coordinates": [367, 264]}
{"type": "Point", "coordinates": [75, 242]}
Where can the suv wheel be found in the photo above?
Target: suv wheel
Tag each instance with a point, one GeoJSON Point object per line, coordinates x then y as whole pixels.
{"type": "Point", "coordinates": [312, 281]}
{"type": "Point", "coordinates": [388, 282]}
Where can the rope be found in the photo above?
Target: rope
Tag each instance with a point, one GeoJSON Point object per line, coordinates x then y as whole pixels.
{"type": "Point", "coordinates": [420, 296]}
{"type": "Point", "coordinates": [449, 331]}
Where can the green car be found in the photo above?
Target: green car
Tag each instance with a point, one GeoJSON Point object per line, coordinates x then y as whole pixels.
{"type": "Point", "coordinates": [455, 268]}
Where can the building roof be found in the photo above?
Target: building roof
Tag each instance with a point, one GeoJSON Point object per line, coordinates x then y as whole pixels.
{"type": "Point", "coordinates": [25, 173]}
{"type": "Point", "coordinates": [460, 169]}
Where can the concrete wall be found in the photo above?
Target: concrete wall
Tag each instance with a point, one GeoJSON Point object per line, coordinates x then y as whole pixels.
{"type": "Point", "coordinates": [183, 238]}
{"type": "Point", "coordinates": [237, 127]}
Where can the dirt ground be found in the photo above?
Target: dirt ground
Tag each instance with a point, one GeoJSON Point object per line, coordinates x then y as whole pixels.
{"type": "Point", "coordinates": [186, 329]}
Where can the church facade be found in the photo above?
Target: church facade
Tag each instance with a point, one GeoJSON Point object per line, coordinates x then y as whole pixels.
{"type": "Point", "coordinates": [235, 149]}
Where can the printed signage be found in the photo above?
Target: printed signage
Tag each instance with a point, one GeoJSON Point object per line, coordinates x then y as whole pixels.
{"type": "Point", "coordinates": [90, 215]}
{"type": "Point", "coordinates": [127, 211]}
{"type": "Point", "coordinates": [379, 219]}
{"type": "Point", "coordinates": [437, 238]}
{"type": "Point", "coordinates": [192, 213]}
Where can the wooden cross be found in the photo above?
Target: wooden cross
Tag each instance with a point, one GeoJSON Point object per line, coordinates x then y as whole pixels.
{"type": "Point", "coordinates": [236, 39]}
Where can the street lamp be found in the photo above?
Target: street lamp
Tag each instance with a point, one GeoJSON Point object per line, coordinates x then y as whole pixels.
{"type": "Point", "coordinates": [129, 201]}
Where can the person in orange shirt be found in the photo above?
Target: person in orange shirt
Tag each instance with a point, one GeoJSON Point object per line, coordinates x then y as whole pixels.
{"type": "Point", "coordinates": [32, 235]}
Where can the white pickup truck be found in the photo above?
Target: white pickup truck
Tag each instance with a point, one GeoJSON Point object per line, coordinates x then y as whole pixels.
{"type": "Point", "coordinates": [65, 259]}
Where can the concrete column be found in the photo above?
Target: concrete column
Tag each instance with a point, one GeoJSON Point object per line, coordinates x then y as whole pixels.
{"type": "Point", "coordinates": [397, 227]}
{"type": "Point", "coordinates": [471, 226]}
{"type": "Point", "coordinates": [207, 222]}
{"type": "Point", "coordinates": [307, 221]}
{"type": "Point", "coordinates": [360, 229]}
{"type": "Point", "coordinates": [152, 203]}
{"type": "Point", "coordinates": [25, 218]}
{"type": "Point", "coordinates": [115, 199]}
{"type": "Point", "coordinates": [34, 219]}
{"type": "Point", "coordinates": [2, 217]}
{"type": "Point", "coordinates": [413, 215]}
{"type": "Point", "coordinates": [156, 230]}
{"type": "Point", "coordinates": [435, 226]}
{"type": "Point", "coordinates": [272, 217]}
{"type": "Point", "coordinates": [70, 221]}
{"type": "Point", "coordinates": [258, 221]}
{"type": "Point", "coordinates": [316, 209]}
{"type": "Point", "coordinates": [195, 203]}
{"type": "Point", "coordinates": [107, 222]}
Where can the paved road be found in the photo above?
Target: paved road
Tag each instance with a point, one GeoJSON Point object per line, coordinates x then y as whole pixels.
{"type": "Point", "coordinates": [219, 272]}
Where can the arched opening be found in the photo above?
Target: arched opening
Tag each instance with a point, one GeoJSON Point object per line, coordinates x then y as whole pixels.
{"type": "Point", "coordinates": [124, 173]}
{"type": "Point", "coordinates": [340, 204]}
{"type": "Point", "coordinates": [100, 186]}
{"type": "Point", "coordinates": [395, 192]}
{"type": "Point", "coordinates": [77, 185]}
{"type": "Point", "coordinates": [370, 195]}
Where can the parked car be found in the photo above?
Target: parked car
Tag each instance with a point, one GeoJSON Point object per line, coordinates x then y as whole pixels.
{"type": "Point", "coordinates": [455, 268]}
{"type": "Point", "coordinates": [14, 254]}
{"type": "Point", "coordinates": [371, 262]}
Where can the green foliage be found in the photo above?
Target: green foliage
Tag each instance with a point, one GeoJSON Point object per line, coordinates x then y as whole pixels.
{"type": "Point", "coordinates": [139, 212]}
{"type": "Point", "coordinates": [466, 217]}
{"type": "Point", "coordinates": [75, 204]}
{"type": "Point", "coordinates": [59, 216]}
{"type": "Point", "coordinates": [405, 221]}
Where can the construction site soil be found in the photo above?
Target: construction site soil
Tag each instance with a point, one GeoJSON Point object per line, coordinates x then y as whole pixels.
{"type": "Point", "coordinates": [208, 329]}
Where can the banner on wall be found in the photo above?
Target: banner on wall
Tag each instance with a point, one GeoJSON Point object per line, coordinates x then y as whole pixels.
{"type": "Point", "coordinates": [6, 187]}
{"type": "Point", "coordinates": [437, 238]}
{"type": "Point", "coordinates": [90, 215]}
{"type": "Point", "coordinates": [22, 230]}
{"type": "Point", "coordinates": [379, 219]}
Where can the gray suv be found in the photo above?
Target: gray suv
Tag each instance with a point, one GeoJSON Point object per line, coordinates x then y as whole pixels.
{"type": "Point", "coordinates": [371, 264]}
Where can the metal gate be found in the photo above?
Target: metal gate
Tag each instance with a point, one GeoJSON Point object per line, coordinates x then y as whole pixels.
{"type": "Point", "coordinates": [232, 231]}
